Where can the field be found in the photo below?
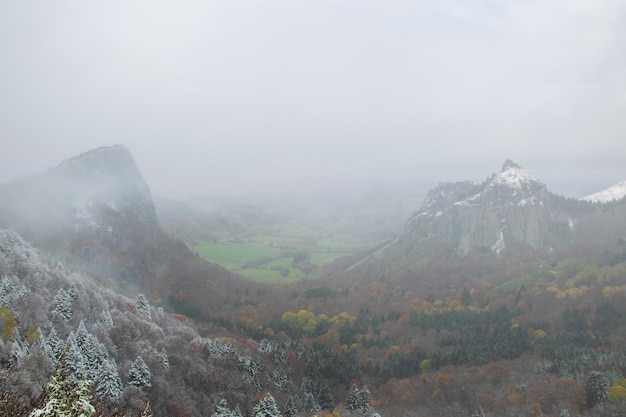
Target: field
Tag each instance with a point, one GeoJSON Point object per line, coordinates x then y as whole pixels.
{"type": "Point", "coordinates": [282, 242]}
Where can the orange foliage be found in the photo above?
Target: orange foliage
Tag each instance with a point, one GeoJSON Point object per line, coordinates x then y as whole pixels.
{"type": "Point", "coordinates": [535, 410]}
{"type": "Point", "coordinates": [515, 398]}
{"type": "Point", "coordinates": [441, 381]}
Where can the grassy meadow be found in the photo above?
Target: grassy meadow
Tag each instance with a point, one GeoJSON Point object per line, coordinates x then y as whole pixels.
{"type": "Point", "coordinates": [282, 241]}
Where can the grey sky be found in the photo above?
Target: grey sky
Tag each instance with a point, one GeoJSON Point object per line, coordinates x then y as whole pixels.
{"type": "Point", "coordinates": [250, 95]}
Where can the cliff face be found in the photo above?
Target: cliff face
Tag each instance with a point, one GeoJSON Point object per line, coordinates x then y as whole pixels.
{"type": "Point", "coordinates": [509, 208]}
{"type": "Point", "coordinates": [95, 212]}
{"type": "Point", "coordinates": [89, 191]}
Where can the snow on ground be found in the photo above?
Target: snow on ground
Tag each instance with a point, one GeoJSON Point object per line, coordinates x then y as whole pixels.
{"type": "Point", "coordinates": [614, 193]}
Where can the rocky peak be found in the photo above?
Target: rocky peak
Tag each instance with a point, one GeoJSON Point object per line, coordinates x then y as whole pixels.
{"type": "Point", "coordinates": [513, 176]}
{"type": "Point", "coordinates": [106, 178]}
{"type": "Point", "coordinates": [510, 206]}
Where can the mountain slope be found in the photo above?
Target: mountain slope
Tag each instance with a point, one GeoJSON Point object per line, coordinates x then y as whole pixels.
{"type": "Point", "coordinates": [95, 211]}
{"type": "Point", "coordinates": [511, 208]}
{"type": "Point", "coordinates": [613, 193]}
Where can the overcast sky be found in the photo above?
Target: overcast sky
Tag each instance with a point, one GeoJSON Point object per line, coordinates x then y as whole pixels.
{"type": "Point", "coordinates": [239, 96]}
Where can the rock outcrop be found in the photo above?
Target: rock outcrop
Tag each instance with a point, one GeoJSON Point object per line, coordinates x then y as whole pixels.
{"type": "Point", "coordinates": [511, 208]}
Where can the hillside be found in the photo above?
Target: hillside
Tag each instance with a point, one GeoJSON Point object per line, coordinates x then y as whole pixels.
{"type": "Point", "coordinates": [95, 213]}
{"type": "Point", "coordinates": [496, 299]}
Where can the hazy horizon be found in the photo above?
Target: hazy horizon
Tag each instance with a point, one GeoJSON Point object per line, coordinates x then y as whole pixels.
{"type": "Point", "coordinates": [241, 97]}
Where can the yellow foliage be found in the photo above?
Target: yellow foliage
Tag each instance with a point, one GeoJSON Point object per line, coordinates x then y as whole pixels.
{"type": "Point", "coordinates": [32, 335]}
{"type": "Point", "coordinates": [425, 365]}
{"type": "Point", "coordinates": [609, 291]}
{"type": "Point", "coordinates": [576, 292]}
{"type": "Point", "coordinates": [7, 323]}
{"type": "Point", "coordinates": [538, 334]}
{"type": "Point", "coordinates": [560, 295]}
{"type": "Point", "coordinates": [553, 289]}
{"type": "Point", "coordinates": [617, 391]}
{"type": "Point", "coordinates": [343, 318]}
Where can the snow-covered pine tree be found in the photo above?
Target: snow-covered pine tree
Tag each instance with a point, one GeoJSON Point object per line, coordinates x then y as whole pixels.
{"type": "Point", "coordinates": [139, 374]}
{"type": "Point", "coordinates": [74, 362]}
{"type": "Point", "coordinates": [53, 346]}
{"type": "Point", "coordinates": [108, 383]}
{"type": "Point", "coordinates": [19, 348]}
{"type": "Point", "coordinates": [65, 400]}
{"type": "Point", "coordinates": [72, 292]}
{"type": "Point", "coordinates": [10, 290]}
{"type": "Point", "coordinates": [165, 362]}
{"type": "Point", "coordinates": [290, 410]}
{"type": "Point", "coordinates": [63, 305]}
{"type": "Point", "coordinates": [143, 306]}
{"type": "Point", "coordinates": [366, 400]}
{"type": "Point", "coordinates": [105, 319]}
{"type": "Point", "coordinates": [266, 407]}
{"type": "Point", "coordinates": [222, 410]}
{"type": "Point", "coordinates": [353, 402]}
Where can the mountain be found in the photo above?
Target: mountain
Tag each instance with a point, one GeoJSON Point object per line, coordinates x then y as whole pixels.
{"type": "Point", "coordinates": [509, 223]}
{"type": "Point", "coordinates": [613, 193]}
{"type": "Point", "coordinates": [84, 192]}
{"type": "Point", "coordinates": [96, 212]}
{"type": "Point", "coordinates": [511, 209]}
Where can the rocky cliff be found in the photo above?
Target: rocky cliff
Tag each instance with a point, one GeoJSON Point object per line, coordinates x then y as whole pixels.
{"type": "Point", "coordinates": [511, 208]}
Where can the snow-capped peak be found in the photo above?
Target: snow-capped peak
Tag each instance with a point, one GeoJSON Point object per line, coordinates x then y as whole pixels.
{"type": "Point", "coordinates": [512, 175]}
{"type": "Point", "coordinates": [614, 193]}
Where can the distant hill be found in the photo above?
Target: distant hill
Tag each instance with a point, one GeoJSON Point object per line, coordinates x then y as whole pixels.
{"type": "Point", "coordinates": [509, 217]}
{"type": "Point", "coordinates": [613, 193]}
{"type": "Point", "coordinates": [96, 211]}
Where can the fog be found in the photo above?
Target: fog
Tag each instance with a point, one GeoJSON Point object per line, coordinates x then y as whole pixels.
{"type": "Point", "coordinates": [243, 96]}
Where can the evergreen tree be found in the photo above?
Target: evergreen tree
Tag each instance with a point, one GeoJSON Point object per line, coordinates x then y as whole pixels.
{"type": "Point", "coordinates": [290, 409]}
{"type": "Point", "coordinates": [72, 292]}
{"type": "Point", "coordinates": [266, 407]}
{"type": "Point", "coordinates": [142, 306]}
{"type": "Point", "coordinates": [109, 384]}
{"type": "Point", "coordinates": [63, 305]}
{"type": "Point", "coordinates": [596, 388]}
{"type": "Point", "coordinates": [19, 348]}
{"type": "Point", "coordinates": [53, 346]}
{"type": "Point", "coordinates": [105, 319]}
{"type": "Point", "coordinates": [66, 399]}
{"type": "Point", "coordinates": [365, 403]}
{"type": "Point", "coordinates": [139, 374]}
{"type": "Point", "coordinates": [353, 402]}
{"type": "Point", "coordinates": [75, 365]}
{"type": "Point", "coordinates": [165, 362]}
{"type": "Point", "coordinates": [222, 410]}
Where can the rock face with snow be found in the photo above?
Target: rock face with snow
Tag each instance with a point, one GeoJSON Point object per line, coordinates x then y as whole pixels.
{"type": "Point", "coordinates": [511, 208]}
{"type": "Point", "coordinates": [94, 190]}
{"type": "Point", "coordinates": [614, 193]}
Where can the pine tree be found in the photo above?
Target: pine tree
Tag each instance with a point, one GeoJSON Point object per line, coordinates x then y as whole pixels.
{"type": "Point", "coordinates": [165, 362]}
{"type": "Point", "coordinates": [353, 402]}
{"type": "Point", "coordinates": [266, 407]}
{"type": "Point", "coordinates": [139, 374]}
{"type": "Point", "coordinates": [74, 361]}
{"type": "Point", "coordinates": [596, 388]}
{"type": "Point", "coordinates": [66, 399]}
{"type": "Point", "coordinates": [63, 305]}
{"type": "Point", "coordinates": [72, 292]}
{"type": "Point", "coordinates": [366, 400]}
{"type": "Point", "coordinates": [142, 306]}
{"type": "Point", "coordinates": [108, 383]}
{"type": "Point", "coordinates": [222, 410]}
{"type": "Point", "coordinates": [53, 346]}
{"type": "Point", "coordinates": [19, 348]}
{"type": "Point", "coordinates": [105, 319]}
{"type": "Point", "coordinates": [290, 408]}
